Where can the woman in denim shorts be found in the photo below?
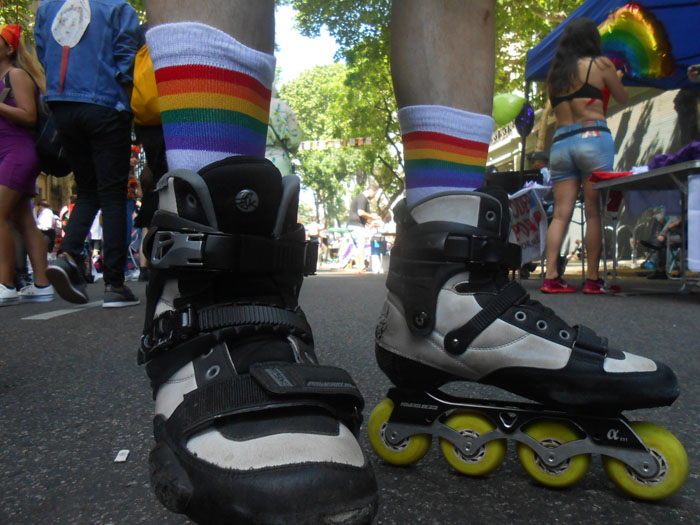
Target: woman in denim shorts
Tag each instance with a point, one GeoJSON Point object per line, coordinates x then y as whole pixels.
{"type": "Point", "coordinates": [579, 84]}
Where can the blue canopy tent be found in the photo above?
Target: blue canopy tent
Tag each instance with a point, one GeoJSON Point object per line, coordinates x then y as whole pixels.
{"type": "Point", "coordinates": [679, 19]}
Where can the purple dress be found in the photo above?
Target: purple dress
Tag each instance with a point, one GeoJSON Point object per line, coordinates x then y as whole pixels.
{"type": "Point", "coordinates": [19, 164]}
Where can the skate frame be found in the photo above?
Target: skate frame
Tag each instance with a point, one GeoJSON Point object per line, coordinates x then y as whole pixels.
{"type": "Point", "coordinates": [419, 412]}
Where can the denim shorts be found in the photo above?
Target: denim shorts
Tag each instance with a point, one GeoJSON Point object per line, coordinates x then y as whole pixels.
{"type": "Point", "coordinates": [578, 155]}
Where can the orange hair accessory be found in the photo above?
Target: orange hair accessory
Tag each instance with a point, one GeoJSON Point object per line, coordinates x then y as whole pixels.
{"type": "Point", "coordinates": [10, 34]}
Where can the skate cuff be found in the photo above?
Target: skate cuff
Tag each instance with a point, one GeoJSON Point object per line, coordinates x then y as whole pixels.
{"type": "Point", "coordinates": [176, 326]}
{"type": "Point", "coordinates": [231, 253]}
{"type": "Point", "coordinates": [270, 386]}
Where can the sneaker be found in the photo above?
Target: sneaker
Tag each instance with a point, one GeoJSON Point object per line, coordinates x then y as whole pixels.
{"type": "Point", "coordinates": [558, 285]}
{"type": "Point", "coordinates": [118, 297]}
{"type": "Point", "coordinates": [8, 295]}
{"type": "Point", "coordinates": [67, 279]}
{"type": "Point", "coordinates": [598, 286]}
{"type": "Point", "coordinates": [34, 294]}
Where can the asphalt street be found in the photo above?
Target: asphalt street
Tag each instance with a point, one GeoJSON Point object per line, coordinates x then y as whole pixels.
{"type": "Point", "coordinates": [72, 396]}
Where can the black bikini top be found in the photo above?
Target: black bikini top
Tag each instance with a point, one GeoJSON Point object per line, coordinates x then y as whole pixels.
{"type": "Point", "coordinates": [585, 91]}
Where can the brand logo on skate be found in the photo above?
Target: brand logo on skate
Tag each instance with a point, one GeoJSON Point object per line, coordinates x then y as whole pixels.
{"type": "Point", "coordinates": [278, 377]}
{"type": "Point", "coordinates": [614, 435]}
{"type": "Point", "coordinates": [247, 201]}
{"type": "Point", "coordinates": [419, 405]}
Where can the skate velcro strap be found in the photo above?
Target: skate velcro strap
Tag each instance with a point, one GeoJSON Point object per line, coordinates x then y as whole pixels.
{"type": "Point", "coordinates": [481, 250]}
{"type": "Point", "coordinates": [180, 325]}
{"type": "Point", "coordinates": [457, 341]}
{"type": "Point", "coordinates": [232, 253]}
{"type": "Point", "coordinates": [270, 386]}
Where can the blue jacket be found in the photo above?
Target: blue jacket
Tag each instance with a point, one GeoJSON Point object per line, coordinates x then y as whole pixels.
{"type": "Point", "coordinates": [101, 64]}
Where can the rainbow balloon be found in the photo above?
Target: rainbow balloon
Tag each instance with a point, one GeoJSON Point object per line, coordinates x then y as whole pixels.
{"type": "Point", "coordinates": [634, 39]}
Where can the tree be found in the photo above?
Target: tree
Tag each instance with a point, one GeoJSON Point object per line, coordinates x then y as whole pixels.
{"type": "Point", "coordinates": [327, 108]}
{"type": "Point", "coordinates": [361, 30]}
{"type": "Point", "coordinates": [17, 12]}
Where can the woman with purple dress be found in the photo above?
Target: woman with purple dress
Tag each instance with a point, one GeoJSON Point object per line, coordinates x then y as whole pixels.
{"type": "Point", "coordinates": [19, 167]}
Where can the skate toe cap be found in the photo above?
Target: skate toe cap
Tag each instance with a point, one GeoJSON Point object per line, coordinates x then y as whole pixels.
{"type": "Point", "coordinates": [265, 477]}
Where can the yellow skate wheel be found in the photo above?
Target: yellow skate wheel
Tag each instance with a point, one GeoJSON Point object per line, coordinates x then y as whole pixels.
{"type": "Point", "coordinates": [669, 455]}
{"type": "Point", "coordinates": [407, 452]}
{"type": "Point", "coordinates": [552, 434]}
{"type": "Point", "coordinates": [481, 461]}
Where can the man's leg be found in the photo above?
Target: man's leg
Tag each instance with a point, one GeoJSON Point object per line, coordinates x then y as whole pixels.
{"type": "Point", "coordinates": [248, 426]}
{"type": "Point", "coordinates": [452, 312]}
{"type": "Point", "coordinates": [65, 273]}
{"type": "Point", "coordinates": [111, 143]}
{"type": "Point", "coordinates": [442, 64]}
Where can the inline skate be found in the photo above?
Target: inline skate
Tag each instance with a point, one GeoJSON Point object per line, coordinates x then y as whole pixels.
{"type": "Point", "coordinates": [249, 427]}
{"type": "Point", "coordinates": [452, 314]}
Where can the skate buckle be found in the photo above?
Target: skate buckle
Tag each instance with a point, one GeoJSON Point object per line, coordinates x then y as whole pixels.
{"type": "Point", "coordinates": [176, 249]}
{"type": "Point", "coordinates": [169, 327]}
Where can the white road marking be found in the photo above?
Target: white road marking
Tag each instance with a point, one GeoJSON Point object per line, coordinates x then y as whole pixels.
{"type": "Point", "coordinates": [58, 313]}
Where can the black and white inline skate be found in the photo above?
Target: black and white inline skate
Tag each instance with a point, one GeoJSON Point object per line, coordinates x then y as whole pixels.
{"type": "Point", "coordinates": [452, 314]}
{"type": "Point", "coordinates": [249, 428]}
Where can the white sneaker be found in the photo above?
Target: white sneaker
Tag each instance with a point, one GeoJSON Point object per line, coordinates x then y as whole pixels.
{"type": "Point", "coordinates": [32, 294]}
{"type": "Point", "coordinates": [8, 296]}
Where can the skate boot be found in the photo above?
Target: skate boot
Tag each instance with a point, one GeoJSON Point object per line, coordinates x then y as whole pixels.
{"type": "Point", "coordinates": [451, 313]}
{"type": "Point", "coordinates": [248, 426]}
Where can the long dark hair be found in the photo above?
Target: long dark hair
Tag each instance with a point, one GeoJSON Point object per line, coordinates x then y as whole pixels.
{"type": "Point", "coordinates": [579, 39]}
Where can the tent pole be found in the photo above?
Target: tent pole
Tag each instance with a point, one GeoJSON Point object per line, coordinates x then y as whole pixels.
{"type": "Point", "coordinates": [523, 143]}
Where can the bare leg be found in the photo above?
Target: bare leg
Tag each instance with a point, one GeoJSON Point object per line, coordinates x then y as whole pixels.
{"type": "Point", "coordinates": [564, 201]}
{"type": "Point", "coordinates": [8, 202]}
{"type": "Point", "coordinates": [251, 22]}
{"type": "Point", "coordinates": [443, 53]}
{"type": "Point", "coordinates": [143, 262]}
{"type": "Point", "coordinates": [442, 63]}
{"type": "Point", "coordinates": [33, 239]}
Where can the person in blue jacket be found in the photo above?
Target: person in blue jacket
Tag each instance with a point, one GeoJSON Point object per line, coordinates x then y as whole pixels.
{"type": "Point", "coordinates": [88, 50]}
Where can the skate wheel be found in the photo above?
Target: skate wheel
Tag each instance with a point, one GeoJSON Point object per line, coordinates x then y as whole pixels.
{"type": "Point", "coordinates": [481, 461]}
{"type": "Point", "coordinates": [407, 452]}
{"type": "Point", "coordinates": [551, 434]}
{"type": "Point", "coordinates": [669, 455]}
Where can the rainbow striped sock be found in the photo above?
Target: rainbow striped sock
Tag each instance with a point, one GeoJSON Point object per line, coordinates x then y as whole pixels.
{"type": "Point", "coordinates": [444, 149]}
{"type": "Point", "coordinates": [214, 94]}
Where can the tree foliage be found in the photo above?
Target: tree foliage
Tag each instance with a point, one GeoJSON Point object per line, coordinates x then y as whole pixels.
{"type": "Point", "coordinates": [327, 108]}
{"type": "Point", "coordinates": [17, 12]}
{"type": "Point", "coordinates": [361, 30]}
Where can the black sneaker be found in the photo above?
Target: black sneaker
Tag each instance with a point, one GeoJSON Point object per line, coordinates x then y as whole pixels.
{"type": "Point", "coordinates": [67, 279]}
{"type": "Point", "coordinates": [118, 297]}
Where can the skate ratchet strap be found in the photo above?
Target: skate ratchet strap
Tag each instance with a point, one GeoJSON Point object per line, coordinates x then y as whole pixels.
{"type": "Point", "coordinates": [475, 249]}
{"type": "Point", "coordinates": [457, 341]}
{"type": "Point", "coordinates": [232, 253]}
{"type": "Point", "coordinates": [270, 386]}
{"type": "Point", "coordinates": [224, 320]}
